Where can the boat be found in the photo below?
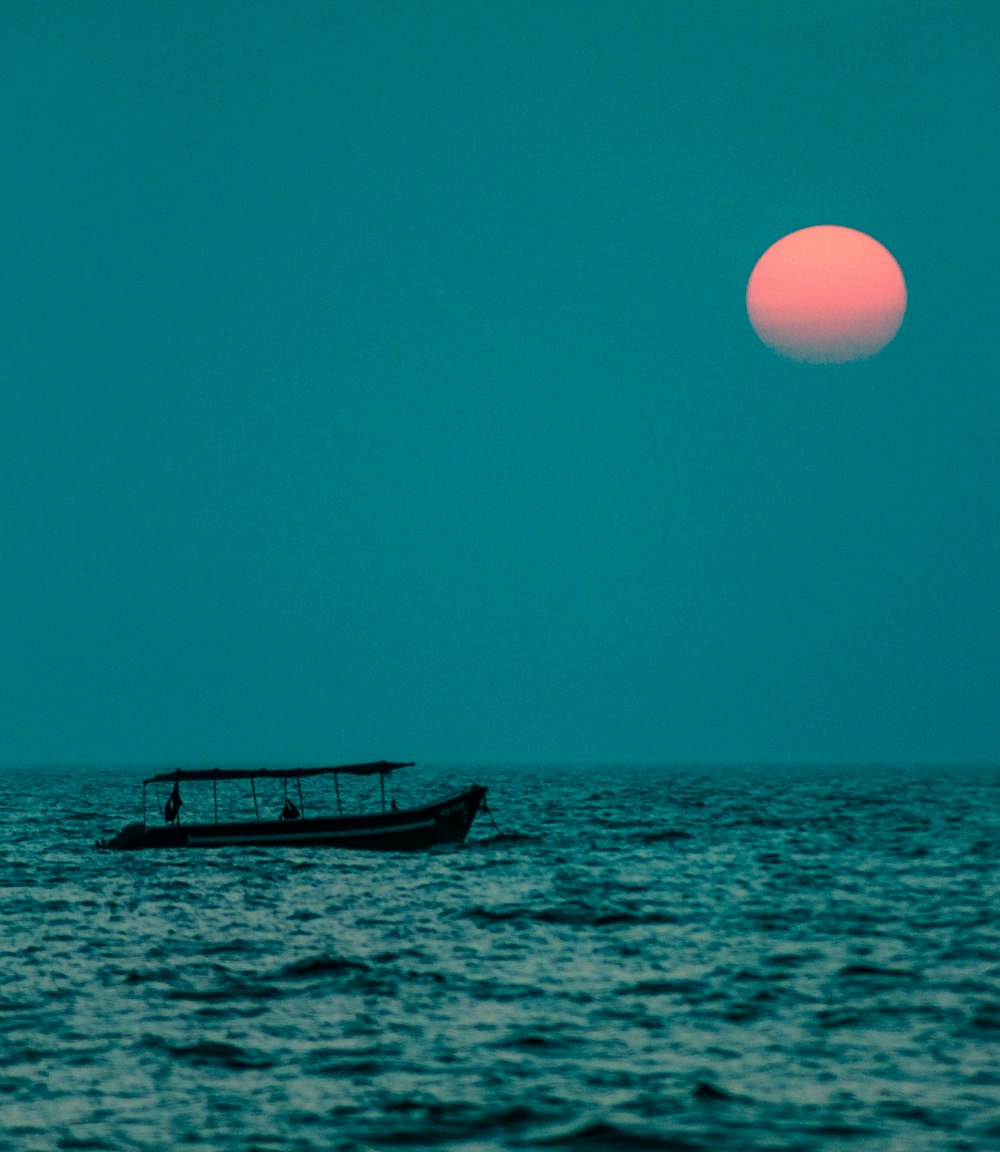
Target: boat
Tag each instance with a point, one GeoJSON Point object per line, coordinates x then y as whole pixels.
{"type": "Point", "coordinates": [392, 829]}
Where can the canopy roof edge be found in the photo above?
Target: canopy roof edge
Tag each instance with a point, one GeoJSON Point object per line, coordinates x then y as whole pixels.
{"type": "Point", "coordinates": [375, 768]}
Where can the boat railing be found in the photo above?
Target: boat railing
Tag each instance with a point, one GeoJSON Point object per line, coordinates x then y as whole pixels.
{"type": "Point", "coordinates": [177, 776]}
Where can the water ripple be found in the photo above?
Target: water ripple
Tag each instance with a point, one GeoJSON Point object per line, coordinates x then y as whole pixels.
{"type": "Point", "coordinates": [687, 959]}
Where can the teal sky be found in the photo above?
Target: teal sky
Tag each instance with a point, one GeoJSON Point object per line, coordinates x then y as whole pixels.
{"type": "Point", "coordinates": [375, 380]}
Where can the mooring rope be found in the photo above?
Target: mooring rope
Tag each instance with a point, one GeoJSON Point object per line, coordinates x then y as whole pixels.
{"type": "Point", "coordinates": [489, 812]}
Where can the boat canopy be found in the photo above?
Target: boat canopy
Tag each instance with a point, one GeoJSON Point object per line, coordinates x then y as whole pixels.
{"type": "Point", "coordinates": [375, 768]}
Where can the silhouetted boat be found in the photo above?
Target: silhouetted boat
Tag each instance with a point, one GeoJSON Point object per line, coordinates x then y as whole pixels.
{"type": "Point", "coordinates": [445, 821]}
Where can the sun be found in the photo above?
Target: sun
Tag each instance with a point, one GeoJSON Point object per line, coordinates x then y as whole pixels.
{"type": "Point", "coordinates": [826, 295]}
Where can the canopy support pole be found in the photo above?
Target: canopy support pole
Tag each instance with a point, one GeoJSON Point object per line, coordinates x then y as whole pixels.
{"type": "Point", "coordinates": [336, 784]}
{"type": "Point", "coordinates": [302, 806]}
{"type": "Point", "coordinates": [215, 799]}
{"type": "Point", "coordinates": [253, 789]}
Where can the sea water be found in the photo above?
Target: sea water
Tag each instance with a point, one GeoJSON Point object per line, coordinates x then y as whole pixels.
{"type": "Point", "coordinates": [680, 958]}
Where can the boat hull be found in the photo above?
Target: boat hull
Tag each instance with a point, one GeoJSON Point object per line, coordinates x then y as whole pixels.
{"type": "Point", "coordinates": [445, 821]}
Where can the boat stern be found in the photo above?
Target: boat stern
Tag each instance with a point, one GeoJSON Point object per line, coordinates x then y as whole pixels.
{"type": "Point", "coordinates": [131, 836]}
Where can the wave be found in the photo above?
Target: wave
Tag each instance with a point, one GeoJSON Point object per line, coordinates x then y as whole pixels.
{"type": "Point", "coordinates": [573, 915]}
{"type": "Point", "coordinates": [320, 966]}
{"type": "Point", "coordinates": [608, 1137]}
{"type": "Point", "coordinates": [210, 1053]}
{"type": "Point", "coordinates": [874, 971]}
{"type": "Point", "coordinates": [709, 1093]}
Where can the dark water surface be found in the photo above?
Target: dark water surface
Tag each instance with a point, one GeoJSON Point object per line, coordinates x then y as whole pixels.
{"type": "Point", "coordinates": [684, 959]}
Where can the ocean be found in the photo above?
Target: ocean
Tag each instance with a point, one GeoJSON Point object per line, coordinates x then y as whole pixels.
{"type": "Point", "coordinates": [692, 959]}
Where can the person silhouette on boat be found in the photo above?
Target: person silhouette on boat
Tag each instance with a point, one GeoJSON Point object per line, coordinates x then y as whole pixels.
{"type": "Point", "coordinates": [172, 809]}
{"type": "Point", "coordinates": [289, 812]}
